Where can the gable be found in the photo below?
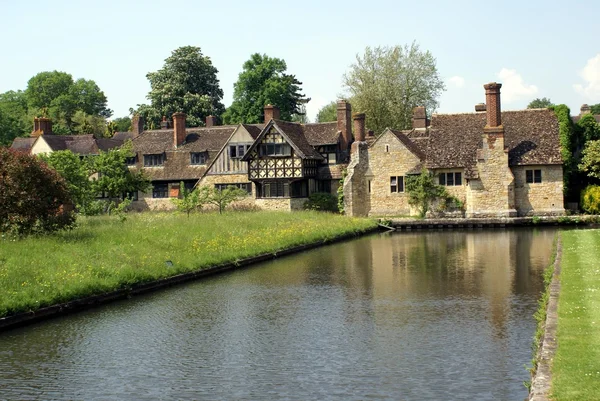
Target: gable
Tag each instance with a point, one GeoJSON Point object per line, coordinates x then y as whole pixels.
{"type": "Point", "coordinates": [396, 142]}
{"type": "Point", "coordinates": [40, 146]}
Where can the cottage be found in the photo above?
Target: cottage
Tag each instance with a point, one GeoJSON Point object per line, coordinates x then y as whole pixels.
{"type": "Point", "coordinates": [498, 164]}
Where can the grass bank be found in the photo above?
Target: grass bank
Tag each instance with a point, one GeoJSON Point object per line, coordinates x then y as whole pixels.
{"type": "Point", "coordinates": [576, 368]}
{"type": "Point", "coordinates": [102, 254]}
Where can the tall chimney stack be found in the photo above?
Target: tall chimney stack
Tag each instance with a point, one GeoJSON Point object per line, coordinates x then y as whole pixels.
{"type": "Point", "coordinates": [585, 109]}
{"type": "Point", "coordinates": [359, 127]}
{"type": "Point", "coordinates": [178, 129]}
{"type": "Point", "coordinates": [419, 119]}
{"type": "Point", "coordinates": [344, 123]}
{"type": "Point", "coordinates": [211, 121]}
{"type": "Point", "coordinates": [271, 113]}
{"type": "Point", "coordinates": [137, 125]}
{"type": "Point", "coordinates": [41, 126]}
{"type": "Point", "coordinates": [492, 100]}
{"type": "Point", "coordinates": [164, 124]}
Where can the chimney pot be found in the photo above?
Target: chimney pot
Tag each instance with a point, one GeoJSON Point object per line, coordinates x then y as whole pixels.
{"type": "Point", "coordinates": [479, 107]}
{"type": "Point", "coordinates": [344, 123]}
{"type": "Point", "coordinates": [419, 120]}
{"type": "Point", "coordinates": [492, 101]}
{"type": "Point", "coordinates": [585, 109]}
{"type": "Point", "coordinates": [359, 127]}
{"type": "Point", "coordinates": [41, 126]}
{"type": "Point", "coordinates": [211, 121]}
{"type": "Point", "coordinates": [271, 113]}
{"type": "Point", "coordinates": [137, 125]}
{"type": "Point", "coordinates": [179, 133]}
{"type": "Point", "coordinates": [164, 124]}
{"type": "Point", "coordinates": [370, 133]}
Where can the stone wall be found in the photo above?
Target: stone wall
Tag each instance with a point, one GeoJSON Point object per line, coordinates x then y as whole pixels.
{"type": "Point", "coordinates": [388, 157]}
{"type": "Point", "coordinates": [356, 195]}
{"type": "Point", "coordinates": [281, 204]}
{"type": "Point", "coordinates": [147, 202]}
{"type": "Point", "coordinates": [545, 198]}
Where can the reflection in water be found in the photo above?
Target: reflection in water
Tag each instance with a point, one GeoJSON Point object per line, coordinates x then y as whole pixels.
{"type": "Point", "coordinates": [415, 316]}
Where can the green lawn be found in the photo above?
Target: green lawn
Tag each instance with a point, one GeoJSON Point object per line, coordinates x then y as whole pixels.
{"type": "Point", "coordinates": [576, 368]}
{"type": "Point", "coordinates": [103, 254]}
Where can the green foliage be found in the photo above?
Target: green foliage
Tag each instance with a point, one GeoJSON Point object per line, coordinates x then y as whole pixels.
{"type": "Point", "coordinates": [340, 191]}
{"type": "Point", "coordinates": [588, 127]}
{"type": "Point", "coordinates": [322, 201]}
{"type": "Point", "coordinates": [32, 196]}
{"type": "Point", "coordinates": [187, 83]}
{"type": "Point", "coordinates": [14, 121]}
{"type": "Point", "coordinates": [76, 173]}
{"type": "Point", "coordinates": [422, 191]}
{"type": "Point", "coordinates": [567, 143]}
{"type": "Point", "coordinates": [538, 103]}
{"type": "Point", "coordinates": [114, 177]}
{"type": "Point", "coordinates": [263, 81]}
{"type": "Point", "coordinates": [221, 198]}
{"type": "Point", "coordinates": [590, 199]}
{"type": "Point", "coordinates": [84, 123]}
{"type": "Point", "coordinates": [386, 83]}
{"type": "Point", "coordinates": [595, 108]}
{"type": "Point", "coordinates": [190, 201]}
{"type": "Point", "coordinates": [327, 113]}
{"type": "Point", "coordinates": [121, 124]}
{"type": "Point", "coordinates": [590, 162]}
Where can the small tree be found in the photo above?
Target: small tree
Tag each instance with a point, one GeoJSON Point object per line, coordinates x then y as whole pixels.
{"type": "Point", "coordinates": [422, 191]}
{"type": "Point", "coordinates": [191, 200]}
{"type": "Point", "coordinates": [590, 162]}
{"type": "Point", "coordinates": [327, 113]}
{"type": "Point", "coordinates": [34, 198]}
{"type": "Point", "coordinates": [590, 199]}
{"type": "Point", "coordinates": [221, 198]}
{"type": "Point", "coordinates": [538, 103]}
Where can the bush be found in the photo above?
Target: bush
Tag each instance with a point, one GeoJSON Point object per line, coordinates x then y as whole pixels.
{"type": "Point", "coordinates": [590, 199]}
{"type": "Point", "coordinates": [34, 198]}
{"type": "Point", "coordinates": [322, 201]}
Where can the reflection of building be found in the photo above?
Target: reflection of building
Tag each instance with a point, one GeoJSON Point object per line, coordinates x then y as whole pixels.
{"type": "Point", "coordinates": [498, 164]}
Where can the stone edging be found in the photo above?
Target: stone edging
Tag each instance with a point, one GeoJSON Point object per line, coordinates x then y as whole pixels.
{"type": "Point", "coordinates": [25, 318]}
{"type": "Point", "coordinates": [541, 382]}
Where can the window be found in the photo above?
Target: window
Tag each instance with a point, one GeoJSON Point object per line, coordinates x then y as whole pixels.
{"type": "Point", "coordinates": [369, 186]}
{"type": "Point", "coordinates": [275, 149]}
{"type": "Point", "coordinates": [160, 190]}
{"type": "Point", "coordinates": [387, 148]}
{"type": "Point", "coordinates": [329, 153]}
{"type": "Point", "coordinates": [131, 161]}
{"type": "Point", "coordinates": [533, 176]}
{"type": "Point", "coordinates": [324, 186]}
{"type": "Point", "coordinates": [246, 186]}
{"type": "Point", "coordinates": [396, 184]}
{"type": "Point", "coordinates": [154, 160]}
{"type": "Point", "coordinates": [238, 151]}
{"type": "Point", "coordinates": [198, 158]}
{"type": "Point", "coordinates": [282, 189]}
{"type": "Point", "coordinates": [450, 179]}
{"type": "Point", "coordinates": [130, 195]}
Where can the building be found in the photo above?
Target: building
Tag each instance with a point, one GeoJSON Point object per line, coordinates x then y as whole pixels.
{"type": "Point", "coordinates": [498, 164]}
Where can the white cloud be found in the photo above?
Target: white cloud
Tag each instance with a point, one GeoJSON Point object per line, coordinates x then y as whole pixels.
{"type": "Point", "coordinates": [591, 76]}
{"type": "Point", "coordinates": [513, 87]}
{"type": "Point", "coordinates": [457, 81]}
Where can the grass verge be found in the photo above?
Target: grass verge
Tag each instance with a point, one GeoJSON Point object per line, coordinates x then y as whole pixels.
{"type": "Point", "coordinates": [576, 367]}
{"type": "Point", "coordinates": [104, 254]}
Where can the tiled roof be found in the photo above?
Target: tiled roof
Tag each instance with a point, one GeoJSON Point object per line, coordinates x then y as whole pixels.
{"type": "Point", "coordinates": [322, 133]}
{"type": "Point", "coordinates": [531, 137]}
{"type": "Point", "coordinates": [80, 144]}
{"type": "Point", "coordinates": [410, 145]}
{"type": "Point", "coordinates": [254, 129]}
{"type": "Point", "coordinates": [123, 136]}
{"type": "Point", "coordinates": [295, 132]}
{"type": "Point", "coordinates": [22, 144]}
{"type": "Point", "coordinates": [330, 171]}
{"type": "Point", "coordinates": [577, 118]}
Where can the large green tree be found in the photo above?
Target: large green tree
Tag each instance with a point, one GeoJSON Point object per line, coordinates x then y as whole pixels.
{"type": "Point", "coordinates": [386, 83]}
{"type": "Point", "coordinates": [538, 103]}
{"type": "Point", "coordinates": [327, 113]}
{"type": "Point", "coordinates": [187, 83]}
{"type": "Point", "coordinates": [13, 116]}
{"type": "Point", "coordinates": [263, 81]}
{"type": "Point", "coordinates": [595, 108]}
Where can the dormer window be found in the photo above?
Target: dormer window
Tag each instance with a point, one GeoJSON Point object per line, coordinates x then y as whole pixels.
{"type": "Point", "coordinates": [274, 145]}
{"type": "Point", "coordinates": [238, 151]}
{"type": "Point", "coordinates": [198, 158]}
{"type": "Point", "coordinates": [154, 160]}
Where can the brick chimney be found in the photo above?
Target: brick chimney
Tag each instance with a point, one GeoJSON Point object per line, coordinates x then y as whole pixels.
{"type": "Point", "coordinates": [585, 109]}
{"type": "Point", "coordinates": [492, 101]}
{"type": "Point", "coordinates": [179, 133]}
{"type": "Point", "coordinates": [164, 124]}
{"type": "Point", "coordinates": [211, 121]}
{"type": "Point", "coordinates": [419, 119]}
{"type": "Point", "coordinates": [271, 113]}
{"type": "Point", "coordinates": [479, 107]}
{"type": "Point", "coordinates": [359, 126]}
{"type": "Point", "coordinates": [344, 123]}
{"type": "Point", "coordinates": [137, 125]}
{"type": "Point", "coordinates": [41, 126]}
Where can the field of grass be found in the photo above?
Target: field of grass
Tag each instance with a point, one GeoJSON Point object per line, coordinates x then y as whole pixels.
{"type": "Point", "coordinates": [103, 254]}
{"type": "Point", "coordinates": [576, 368]}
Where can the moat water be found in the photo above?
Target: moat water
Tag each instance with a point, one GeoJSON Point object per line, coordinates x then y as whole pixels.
{"type": "Point", "coordinates": [404, 316]}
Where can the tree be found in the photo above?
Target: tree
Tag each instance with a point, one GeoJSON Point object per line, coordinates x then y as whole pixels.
{"type": "Point", "coordinates": [33, 197]}
{"type": "Point", "coordinates": [13, 116]}
{"type": "Point", "coordinates": [221, 198]}
{"type": "Point", "coordinates": [121, 124]}
{"type": "Point", "coordinates": [263, 81]}
{"type": "Point", "coordinates": [538, 103]}
{"type": "Point", "coordinates": [588, 128]}
{"type": "Point", "coordinates": [327, 113]}
{"type": "Point", "coordinates": [84, 123]}
{"type": "Point", "coordinates": [76, 173]}
{"type": "Point", "coordinates": [386, 83]}
{"type": "Point", "coordinates": [187, 83]}
{"type": "Point", "coordinates": [422, 191]}
{"type": "Point", "coordinates": [190, 201]}
{"type": "Point", "coordinates": [595, 108]}
{"type": "Point", "coordinates": [590, 162]}
{"type": "Point", "coordinates": [114, 177]}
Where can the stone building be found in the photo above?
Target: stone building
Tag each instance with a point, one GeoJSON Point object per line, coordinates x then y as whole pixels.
{"type": "Point", "coordinates": [498, 164]}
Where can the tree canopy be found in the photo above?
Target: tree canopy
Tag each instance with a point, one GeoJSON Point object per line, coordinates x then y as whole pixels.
{"type": "Point", "coordinates": [595, 108]}
{"type": "Point", "coordinates": [386, 83]}
{"type": "Point", "coordinates": [327, 113]}
{"type": "Point", "coordinates": [538, 103]}
{"type": "Point", "coordinates": [187, 83]}
{"type": "Point", "coordinates": [263, 81]}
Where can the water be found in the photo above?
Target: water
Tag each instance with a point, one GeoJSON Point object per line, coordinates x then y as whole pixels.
{"type": "Point", "coordinates": [407, 316]}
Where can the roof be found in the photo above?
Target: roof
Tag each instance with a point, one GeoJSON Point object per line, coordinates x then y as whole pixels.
{"type": "Point", "coordinates": [80, 144]}
{"type": "Point", "coordinates": [577, 118]}
{"type": "Point", "coordinates": [410, 145]}
{"type": "Point", "coordinates": [23, 144]}
{"type": "Point", "coordinates": [322, 133]}
{"type": "Point", "coordinates": [123, 136]}
{"type": "Point", "coordinates": [531, 137]}
{"type": "Point", "coordinates": [254, 129]}
{"type": "Point", "coordinates": [295, 133]}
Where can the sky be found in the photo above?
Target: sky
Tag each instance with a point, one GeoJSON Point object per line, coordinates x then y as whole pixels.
{"type": "Point", "coordinates": [534, 48]}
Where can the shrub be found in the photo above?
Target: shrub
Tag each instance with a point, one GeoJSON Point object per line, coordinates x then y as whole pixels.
{"type": "Point", "coordinates": [322, 201]}
{"type": "Point", "coordinates": [34, 198]}
{"type": "Point", "coordinates": [590, 199]}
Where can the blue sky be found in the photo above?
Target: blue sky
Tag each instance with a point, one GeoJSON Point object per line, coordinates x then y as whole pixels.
{"type": "Point", "coordinates": [535, 48]}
